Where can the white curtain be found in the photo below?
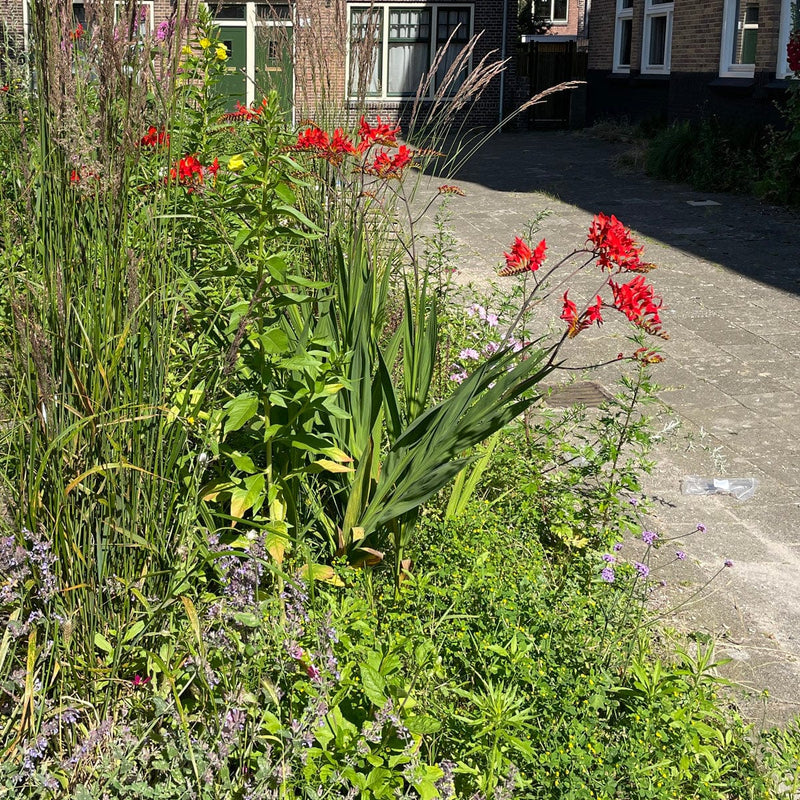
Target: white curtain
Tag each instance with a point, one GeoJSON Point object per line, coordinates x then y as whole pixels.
{"type": "Point", "coordinates": [407, 65]}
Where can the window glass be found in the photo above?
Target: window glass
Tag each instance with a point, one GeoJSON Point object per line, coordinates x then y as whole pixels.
{"type": "Point", "coordinates": [625, 38]}
{"type": "Point", "coordinates": [366, 26]}
{"type": "Point", "coordinates": [270, 11]}
{"type": "Point", "coordinates": [451, 22]}
{"type": "Point", "coordinates": [551, 10]}
{"type": "Point", "coordinates": [409, 49]}
{"type": "Point", "coordinates": [658, 41]}
{"type": "Point", "coordinates": [229, 12]}
{"type": "Point", "coordinates": [745, 33]}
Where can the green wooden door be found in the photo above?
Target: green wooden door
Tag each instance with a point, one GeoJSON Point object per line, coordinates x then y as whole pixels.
{"type": "Point", "coordinates": [233, 84]}
{"type": "Point", "coordinates": [274, 66]}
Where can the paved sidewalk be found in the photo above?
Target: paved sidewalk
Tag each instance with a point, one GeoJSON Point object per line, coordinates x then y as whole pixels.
{"type": "Point", "coordinates": [729, 272]}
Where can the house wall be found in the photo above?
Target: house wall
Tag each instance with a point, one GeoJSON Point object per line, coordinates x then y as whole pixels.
{"type": "Point", "coordinates": [574, 20]}
{"type": "Point", "coordinates": [693, 89]}
{"type": "Point", "coordinates": [320, 52]}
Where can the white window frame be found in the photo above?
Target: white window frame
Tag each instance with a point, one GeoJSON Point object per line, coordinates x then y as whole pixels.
{"type": "Point", "coordinates": [727, 69]}
{"type": "Point", "coordinates": [782, 70]}
{"type": "Point", "coordinates": [652, 10]}
{"type": "Point", "coordinates": [251, 22]}
{"type": "Point", "coordinates": [622, 15]}
{"type": "Point", "coordinates": [383, 96]}
{"type": "Point", "coordinates": [120, 4]}
{"type": "Point", "coordinates": [552, 19]}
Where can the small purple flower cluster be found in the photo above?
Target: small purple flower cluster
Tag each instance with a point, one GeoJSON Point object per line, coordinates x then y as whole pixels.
{"type": "Point", "coordinates": [477, 310]}
{"type": "Point", "coordinates": [240, 576]}
{"type": "Point", "coordinates": [459, 373]}
{"type": "Point", "coordinates": [19, 563]}
{"type": "Point", "coordinates": [651, 539]}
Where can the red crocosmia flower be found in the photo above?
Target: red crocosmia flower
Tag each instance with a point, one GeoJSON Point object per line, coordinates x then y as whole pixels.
{"type": "Point", "coordinates": [155, 138]}
{"type": "Point", "coordinates": [74, 176]}
{"type": "Point", "coordinates": [381, 133]}
{"type": "Point", "coordinates": [569, 312]}
{"type": "Point", "coordinates": [594, 312]}
{"type": "Point", "coordinates": [793, 51]}
{"type": "Point", "coordinates": [645, 356]}
{"type": "Point", "coordinates": [341, 144]}
{"type": "Point", "coordinates": [450, 189]}
{"type": "Point", "coordinates": [246, 113]}
{"type": "Point", "coordinates": [190, 172]}
{"type": "Point", "coordinates": [313, 139]}
{"type": "Point", "coordinates": [521, 259]}
{"type": "Point", "coordinates": [386, 166]}
{"type": "Point", "coordinates": [213, 167]}
{"type": "Point", "coordinates": [77, 33]}
{"type": "Point", "coordinates": [4, 88]}
{"type": "Point", "coordinates": [613, 244]}
{"type": "Point", "coordinates": [577, 323]}
{"type": "Point", "coordinates": [639, 303]}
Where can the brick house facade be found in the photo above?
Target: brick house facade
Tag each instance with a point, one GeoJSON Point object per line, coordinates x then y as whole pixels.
{"type": "Point", "coordinates": [653, 59]}
{"type": "Point", "coordinates": [317, 47]}
{"type": "Point", "coordinates": [560, 17]}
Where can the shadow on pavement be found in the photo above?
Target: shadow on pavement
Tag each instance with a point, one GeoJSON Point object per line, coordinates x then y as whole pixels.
{"type": "Point", "coordinates": [739, 233]}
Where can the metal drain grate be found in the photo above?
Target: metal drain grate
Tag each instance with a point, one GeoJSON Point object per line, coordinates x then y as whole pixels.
{"type": "Point", "coordinates": [587, 393]}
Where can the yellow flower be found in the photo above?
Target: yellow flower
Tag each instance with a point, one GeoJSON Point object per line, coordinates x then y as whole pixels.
{"type": "Point", "coordinates": [186, 50]}
{"type": "Point", "coordinates": [236, 163]}
{"type": "Point", "coordinates": [205, 43]}
{"type": "Point", "coordinates": [222, 52]}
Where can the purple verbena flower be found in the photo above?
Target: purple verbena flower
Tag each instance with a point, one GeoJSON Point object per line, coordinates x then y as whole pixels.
{"type": "Point", "coordinates": [649, 537]}
{"type": "Point", "coordinates": [642, 569]}
{"type": "Point", "coordinates": [728, 562]}
{"type": "Point", "coordinates": [680, 555]}
{"type": "Point", "coordinates": [617, 547]}
{"type": "Point", "coordinates": [469, 354]}
{"type": "Point", "coordinates": [608, 558]}
{"type": "Point", "coordinates": [701, 527]}
{"type": "Point", "coordinates": [607, 575]}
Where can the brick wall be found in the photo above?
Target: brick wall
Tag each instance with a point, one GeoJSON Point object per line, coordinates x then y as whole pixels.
{"type": "Point", "coordinates": [696, 36]}
{"type": "Point", "coordinates": [692, 89]}
{"type": "Point", "coordinates": [602, 20]}
{"type": "Point", "coordinates": [574, 20]}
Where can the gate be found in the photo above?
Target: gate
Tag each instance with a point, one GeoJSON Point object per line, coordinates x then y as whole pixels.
{"type": "Point", "coordinates": [548, 61]}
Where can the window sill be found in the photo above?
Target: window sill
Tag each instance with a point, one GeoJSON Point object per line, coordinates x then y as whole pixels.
{"type": "Point", "coordinates": [733, 83]}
